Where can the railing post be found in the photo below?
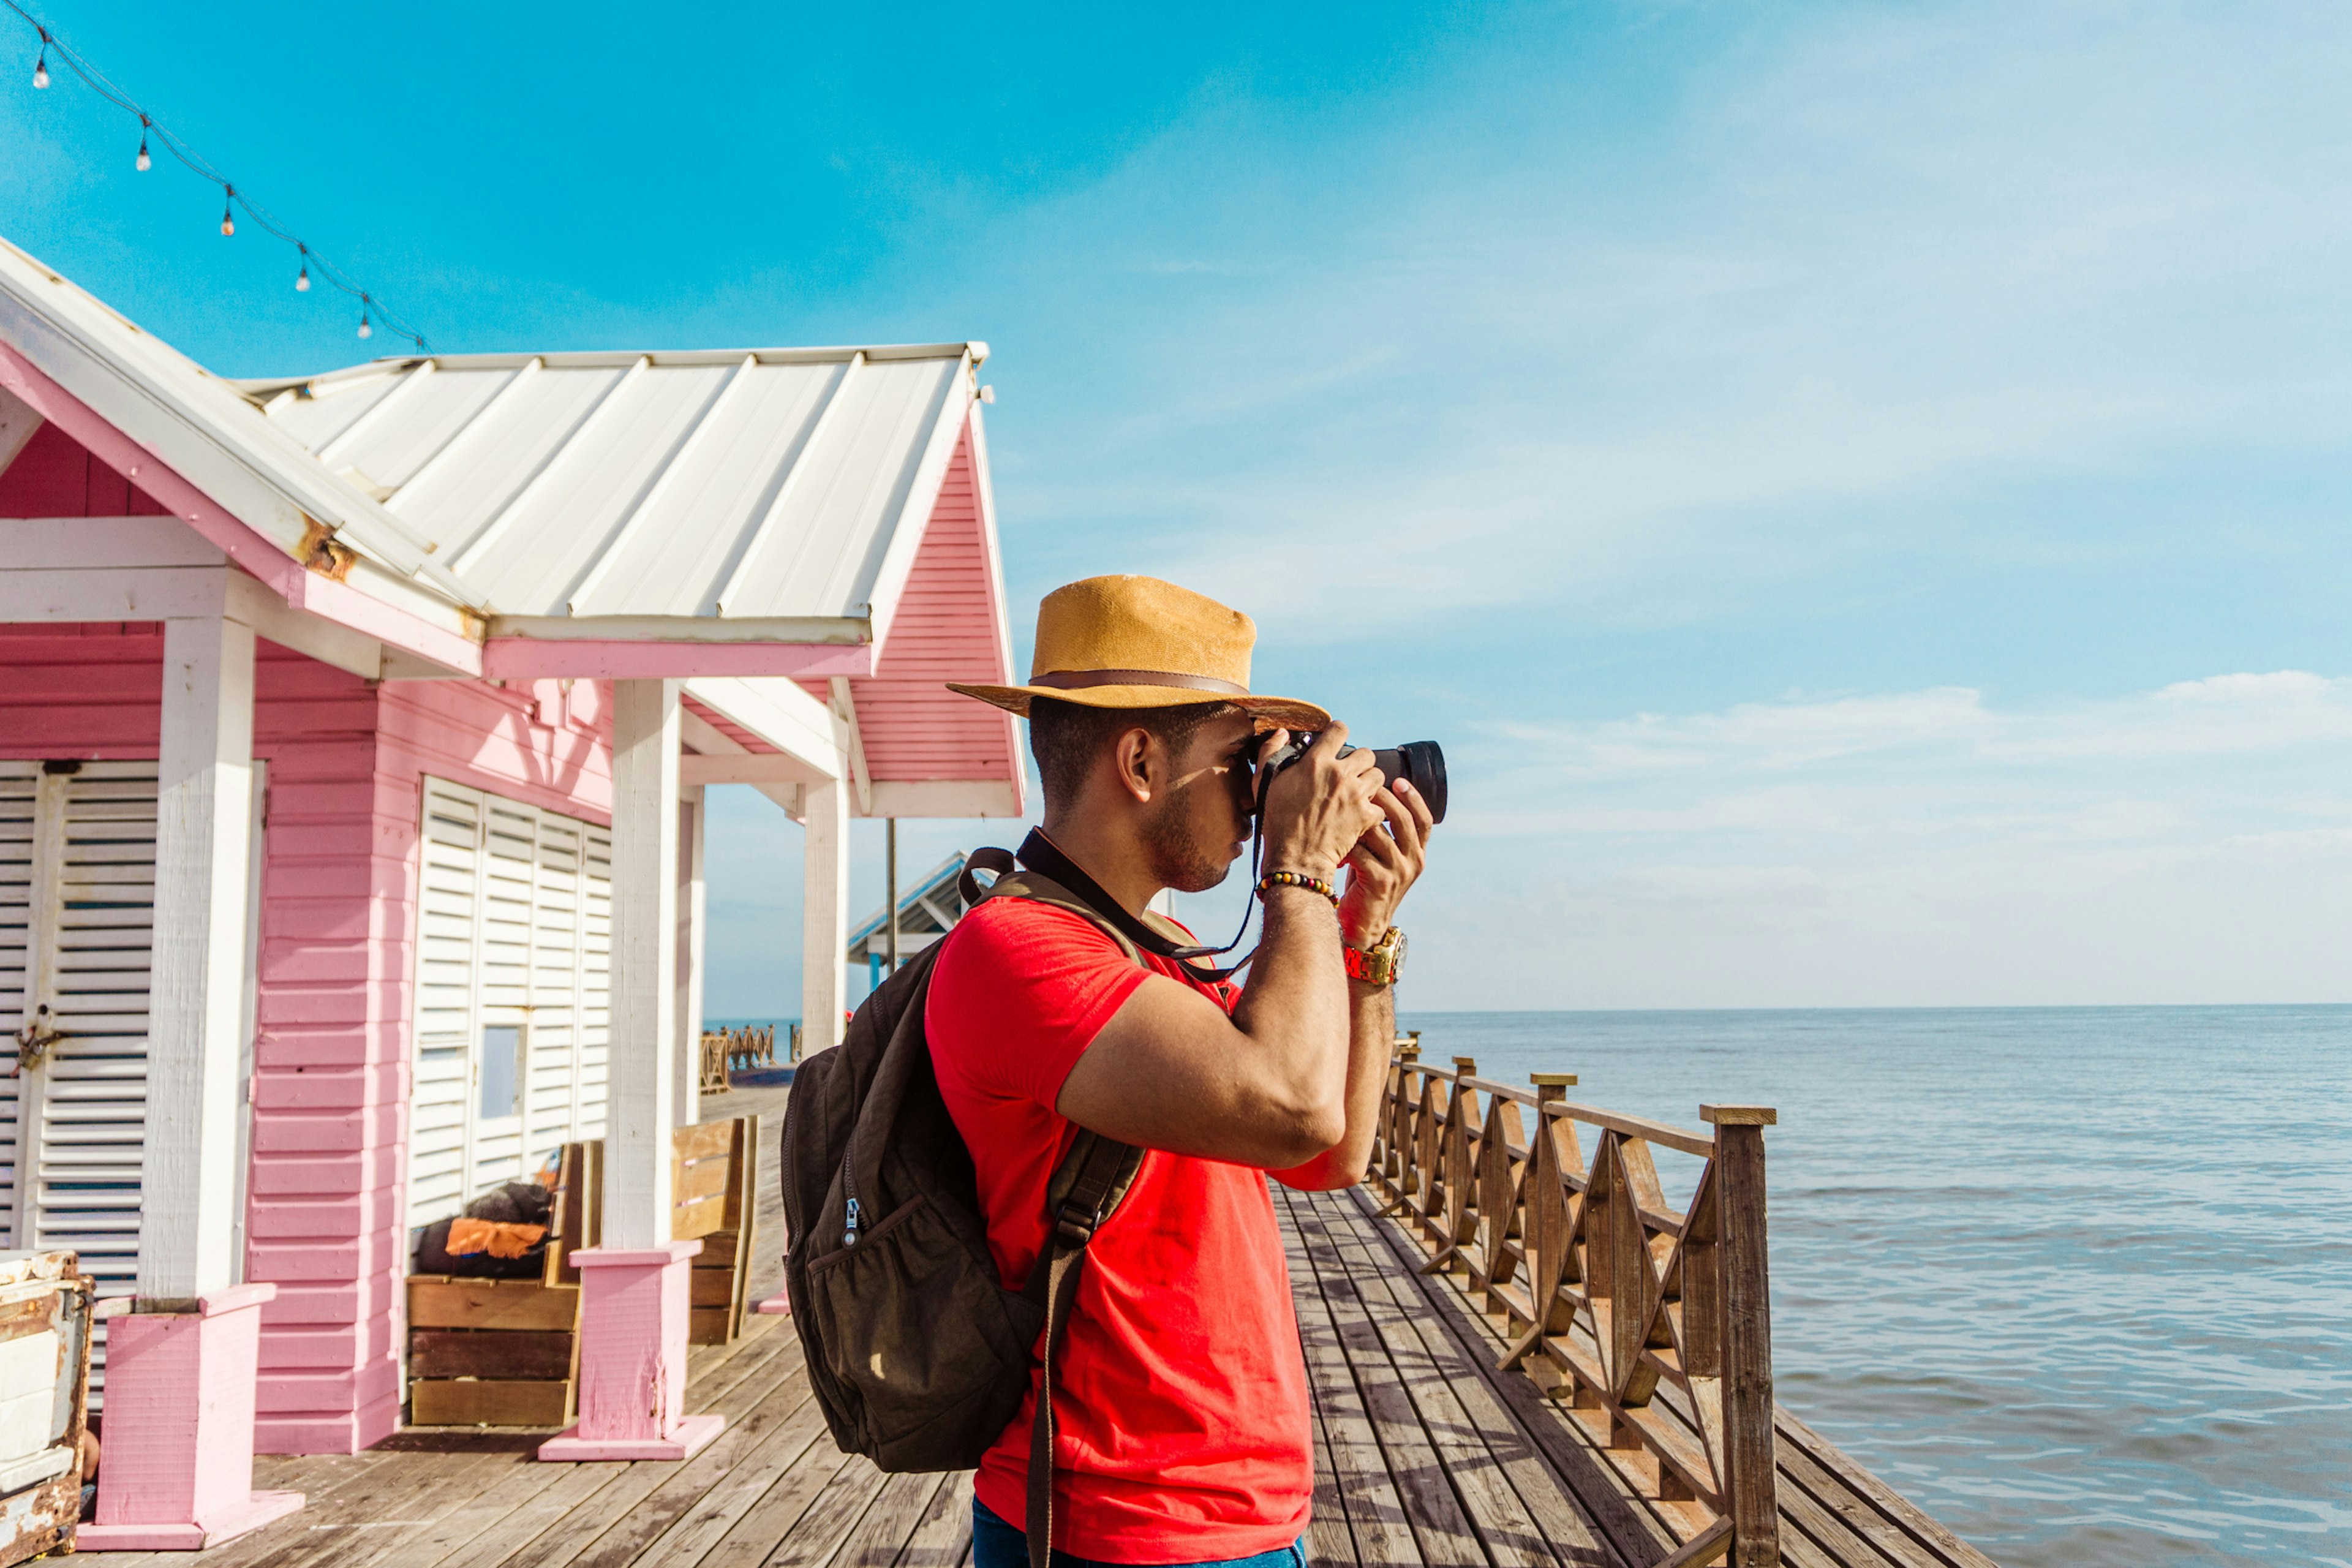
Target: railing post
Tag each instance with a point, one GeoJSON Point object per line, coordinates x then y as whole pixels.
{"type": "Point", "coordinates": [1748, 1331]}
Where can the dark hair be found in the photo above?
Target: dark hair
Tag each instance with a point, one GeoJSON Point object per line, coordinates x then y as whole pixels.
{"type": "Point", "coordinates": [1067, 737]}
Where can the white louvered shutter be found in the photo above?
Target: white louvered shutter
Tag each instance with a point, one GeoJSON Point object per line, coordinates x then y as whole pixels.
{"type": "Point", "coordinates": [513, 928]}
{"type": "Point", "coordinates": [78, 1140]}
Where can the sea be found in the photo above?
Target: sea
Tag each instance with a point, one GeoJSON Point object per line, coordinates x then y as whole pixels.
{"type": "Point", "coordinates": [2078, 1281]}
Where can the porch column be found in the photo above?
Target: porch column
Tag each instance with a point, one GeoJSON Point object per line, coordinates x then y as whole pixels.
{"type": "Point", "coordinates": [182, 1362]}
{"type": "Point", "coordinates": [688, 1055]}
{"type": "Point", "coordinates": [634, 1285]}
{"type": "Point", "coordinates": [825, 913]}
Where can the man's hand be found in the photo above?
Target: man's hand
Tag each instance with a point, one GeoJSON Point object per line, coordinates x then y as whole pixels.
{"type": "Point", "coordinates": [1320, 806]}
{"type": "Point", "coordinates": [1385, 863]}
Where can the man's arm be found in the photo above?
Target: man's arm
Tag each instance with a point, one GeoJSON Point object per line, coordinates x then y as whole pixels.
{"type": "Point", "coordinates": [1264, 1086]}
{"type": "Point", "coordinates": [1371, 1042]}
{"type": "Point", "coordinates": [1382, 868]}
{"type": "Point", "coordinates": [1292, 1081]}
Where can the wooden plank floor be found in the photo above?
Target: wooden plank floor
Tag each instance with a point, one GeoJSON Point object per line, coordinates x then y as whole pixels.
{"type": "Point", "coordinates": [1424, 1455]}
{"type": "Point", "coordinates": [1408, 1398]}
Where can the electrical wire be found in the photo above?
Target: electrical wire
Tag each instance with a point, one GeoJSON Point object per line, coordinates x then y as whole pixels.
{"type": "Point", "coordinates": [373, 310]}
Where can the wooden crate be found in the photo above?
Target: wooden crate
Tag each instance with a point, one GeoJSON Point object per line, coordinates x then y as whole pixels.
{"type": "Point", "coordinates": [505, 1352]}
{"type": "Point", "coordinates": [45, 1295]}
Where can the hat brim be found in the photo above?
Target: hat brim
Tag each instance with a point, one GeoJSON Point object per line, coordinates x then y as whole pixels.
{"type": "Point", "coordinates": [1282, 712]}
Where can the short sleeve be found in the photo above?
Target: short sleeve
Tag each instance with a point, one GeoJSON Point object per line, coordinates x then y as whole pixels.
{"type": "Point", "coordinates": [1020, 990]}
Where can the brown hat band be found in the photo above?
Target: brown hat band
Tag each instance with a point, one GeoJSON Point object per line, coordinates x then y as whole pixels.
{"type": "Point", "coordinates": [1081, 679]}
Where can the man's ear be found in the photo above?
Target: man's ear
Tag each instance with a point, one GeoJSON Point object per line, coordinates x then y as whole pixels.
{"type": "Point", "coordinates": [1132, 762]}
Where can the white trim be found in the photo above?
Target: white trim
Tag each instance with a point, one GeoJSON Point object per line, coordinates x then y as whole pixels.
{"type": "Point", "coordinates": [745, 768]}
{"type": "Point", "coordinates": [844, 713]}
{"type": "Point", "coordinates": [203, 820]}
{"type": "Point", "coordinates": [62, 544]}
{"type": "Point", "coordinates": [777, 711]}
{"type": "Point", "coordinates": [946, 798]}
{"type": "Point", "coordinates": [844, 631]}
{"type": "Point", "coordinates": [637, 1146]}
{"type": "Point", "coordinates": [825, 914]}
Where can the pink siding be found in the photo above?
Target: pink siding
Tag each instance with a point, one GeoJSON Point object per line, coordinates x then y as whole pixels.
{"type": "Point", "coordinates": [339, 883]}
{"type": "Point", "coordinates": [913, 727]}
{"type": "Point", "coordinates": [55, 476]}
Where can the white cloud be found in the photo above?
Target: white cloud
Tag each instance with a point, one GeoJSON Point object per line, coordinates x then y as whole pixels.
{"type": "Point", "coordinates": [2193, 842]}
{"type": "Point", "coordinates": [1854, 264]}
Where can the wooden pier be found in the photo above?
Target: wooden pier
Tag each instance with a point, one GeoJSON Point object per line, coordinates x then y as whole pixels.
{"type": "Point", "coordinates": [1429, 1449]}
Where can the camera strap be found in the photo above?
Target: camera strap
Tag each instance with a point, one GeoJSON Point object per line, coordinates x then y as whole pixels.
{"type": "Point", "coordinates": [1042, 854]}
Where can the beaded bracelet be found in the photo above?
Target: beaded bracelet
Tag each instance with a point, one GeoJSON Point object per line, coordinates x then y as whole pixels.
{"type": "Point", "coordinates": [1297, 879]}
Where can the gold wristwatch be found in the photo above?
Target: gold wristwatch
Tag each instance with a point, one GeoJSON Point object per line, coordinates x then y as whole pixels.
{"type": "Point", "coordinates": [1380, 964]}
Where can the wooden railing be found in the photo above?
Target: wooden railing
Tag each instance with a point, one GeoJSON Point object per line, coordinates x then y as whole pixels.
{"type": "Point", "coordinates": [1651, 1327]}
{"type": "Point", "coordinates": [736, 1050]}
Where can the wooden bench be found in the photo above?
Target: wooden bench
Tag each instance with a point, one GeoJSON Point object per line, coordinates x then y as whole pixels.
{"type": "Point", "coordinates": [714, 1186]}
{"type": "Point", "coordinates": [505, 1352]}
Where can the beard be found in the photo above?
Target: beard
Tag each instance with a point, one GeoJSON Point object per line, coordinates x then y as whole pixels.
{"type": "Point", "coordinates": [1182, 856]}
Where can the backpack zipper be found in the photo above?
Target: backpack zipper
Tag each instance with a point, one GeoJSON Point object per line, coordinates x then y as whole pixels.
{"type": "Point", "coordinates": [849, 1188]}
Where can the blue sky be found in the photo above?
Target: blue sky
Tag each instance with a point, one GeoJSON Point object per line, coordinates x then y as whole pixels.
{"type": "Point", "coordinates": [1857, 488]}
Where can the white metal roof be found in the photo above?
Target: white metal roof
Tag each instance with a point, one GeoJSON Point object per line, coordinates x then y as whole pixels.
{"type": "Point", "coordinates": [752, 487]}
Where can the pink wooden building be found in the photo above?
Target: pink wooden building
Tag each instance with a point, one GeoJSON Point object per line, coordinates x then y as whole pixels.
{"type": "Point", "coordinates": [353, 735]}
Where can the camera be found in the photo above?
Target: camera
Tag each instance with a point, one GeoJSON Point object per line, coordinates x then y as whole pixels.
{"type": "Point", "coordinates": [1420, 762]}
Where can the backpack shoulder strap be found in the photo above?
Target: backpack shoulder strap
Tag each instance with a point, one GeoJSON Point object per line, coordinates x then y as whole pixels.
{"type": "Point", "coordinates": [1087, 1187]}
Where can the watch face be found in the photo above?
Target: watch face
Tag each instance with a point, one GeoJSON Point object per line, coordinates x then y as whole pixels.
{"type": "Point", "coordinates": [1396, 959]}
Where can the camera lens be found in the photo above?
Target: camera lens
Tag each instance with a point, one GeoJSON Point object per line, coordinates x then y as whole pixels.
{"type": "Point", "coordinates": [1421, 764]}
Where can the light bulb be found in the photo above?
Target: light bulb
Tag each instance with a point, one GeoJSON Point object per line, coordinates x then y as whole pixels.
{"type": "Point", "coordinates": [145, 163]}
{"type": "Point", "coordinates": [229, 220]}
{"type": "Point", "coordinates": [41, 69]}
{"type": "Point", "coordinates": [365, 331]}
{"type": "Point", "coordinates": [302, 279]}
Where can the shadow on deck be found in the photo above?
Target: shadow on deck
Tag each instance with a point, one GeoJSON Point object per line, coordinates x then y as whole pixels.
{"type": "Point", "coordinates": [1424, 1455]}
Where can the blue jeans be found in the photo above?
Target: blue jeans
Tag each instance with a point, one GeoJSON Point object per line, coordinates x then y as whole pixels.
{"type": "Point", "coordinates": [996, 1544]}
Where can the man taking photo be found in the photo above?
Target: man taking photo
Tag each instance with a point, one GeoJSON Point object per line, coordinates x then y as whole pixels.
{"type": "Point", "coordinates": [1180, 1398]}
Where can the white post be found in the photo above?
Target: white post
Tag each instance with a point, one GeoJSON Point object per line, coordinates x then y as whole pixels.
{"type": "Point", "coordinates": [183, 1364]}
{"type": "Point", "coordinates": [635, 1286]}
{"type": "Point", "coordinates": [825, 913]}
{"type": "Point", "coordinates": [203, 827]}
{"type": "Point", "coordinates": [644, 963]}
{"type": "Point", "coordinates": [690, 956]}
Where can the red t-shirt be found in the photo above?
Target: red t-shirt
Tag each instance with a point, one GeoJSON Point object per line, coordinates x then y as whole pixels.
{"type": "Point", "coordinates": [1180, 1399]}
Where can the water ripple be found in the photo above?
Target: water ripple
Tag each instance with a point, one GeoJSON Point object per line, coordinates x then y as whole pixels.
{"type": "Point", "coordinates": [2076, 1280]}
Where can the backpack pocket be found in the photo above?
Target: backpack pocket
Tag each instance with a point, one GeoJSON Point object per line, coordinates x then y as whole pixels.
{"type": "Point", "coordinates": [940, 1373]}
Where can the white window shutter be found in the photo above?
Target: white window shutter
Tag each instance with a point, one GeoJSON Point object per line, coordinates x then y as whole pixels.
{"type": "Point", "coordinates": [513, 928]}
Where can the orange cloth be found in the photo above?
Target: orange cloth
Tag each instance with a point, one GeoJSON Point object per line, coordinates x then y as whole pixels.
{"type": "Point", "coordinates": [497, 1237]}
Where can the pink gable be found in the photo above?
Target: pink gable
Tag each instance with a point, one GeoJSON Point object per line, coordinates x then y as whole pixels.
{"type": "Point", "coordinates": [56, 476]}
{"type": "Point", "coordinates": [914, 729]}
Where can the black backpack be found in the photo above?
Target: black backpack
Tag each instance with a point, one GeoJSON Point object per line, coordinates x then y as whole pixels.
{"type": "Point", "coordinates": [917, 1353]}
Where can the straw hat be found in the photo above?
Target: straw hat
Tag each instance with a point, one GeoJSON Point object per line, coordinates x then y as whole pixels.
{"type": "Point", "coordinates": [1136, 642]}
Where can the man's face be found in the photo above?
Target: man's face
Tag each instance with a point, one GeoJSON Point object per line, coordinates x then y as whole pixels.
{"type": "Point", "coordinates": [1201, 824]}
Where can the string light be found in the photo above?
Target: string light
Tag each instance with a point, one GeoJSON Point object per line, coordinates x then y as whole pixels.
{"type": "Point", "coordinates": [231, 197]}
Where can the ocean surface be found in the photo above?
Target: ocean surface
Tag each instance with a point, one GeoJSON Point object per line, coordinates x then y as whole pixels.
{"type": "Point", "coordinates": [2078, 1281]}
